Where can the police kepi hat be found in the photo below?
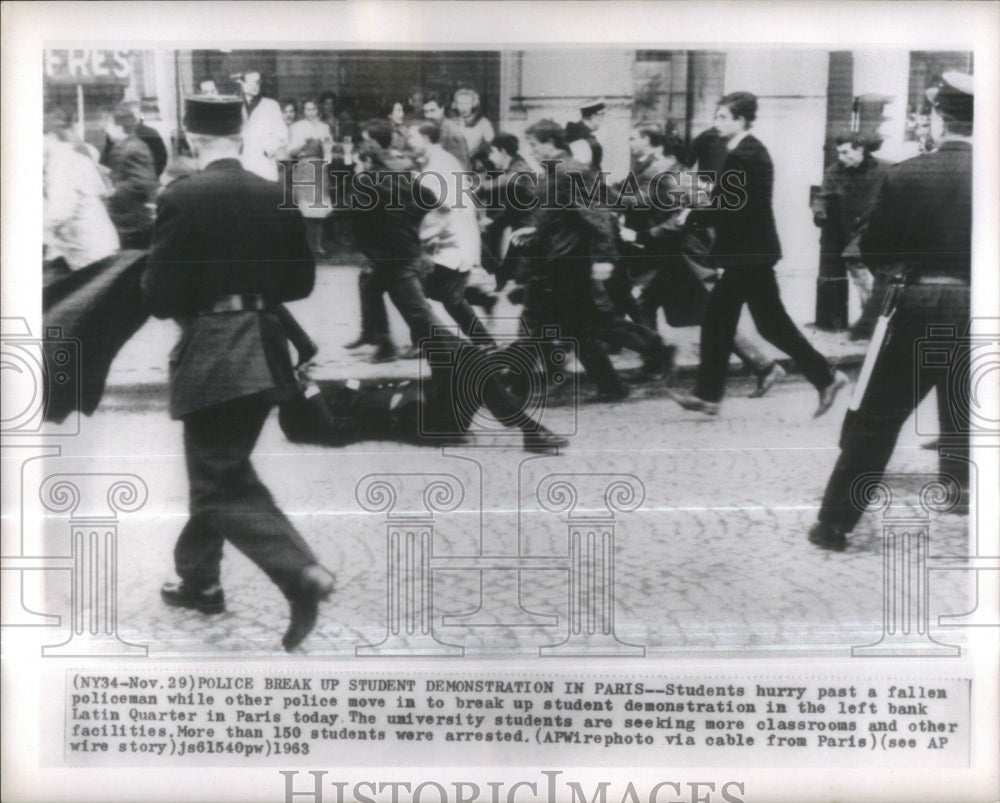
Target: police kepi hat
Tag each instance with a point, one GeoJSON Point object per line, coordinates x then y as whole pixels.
{"type": "Point", "coordinates": [593, 107]}
{"type": "Point", "coordinates": [952, 94]}
{"type": "Point", "coordinates": [213, 115]}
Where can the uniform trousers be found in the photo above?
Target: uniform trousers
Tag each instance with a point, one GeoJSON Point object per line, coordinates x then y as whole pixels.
{"type": "Point", "coordinates": [230, 503]}
{"type": "Point", "coordinates": [757, 287]}
{"type": "Point", "coordinates": [896, 387]}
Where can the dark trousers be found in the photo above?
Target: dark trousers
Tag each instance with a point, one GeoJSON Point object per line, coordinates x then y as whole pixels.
{"type": "Point", "coordinates": [682, 296]}
{"type": "Point", "coordinates": [374, 315]}
{"type": "Point", "coordinates": [577, 324]}
{"type": "Point", "coordinates": [229, 502]}
{"type": "Point", "coordinates": [403, 281]}
{"type": "Point", "coordinates": [448, 286]}
{"type": "Point", "coordinates": [896, 388]}
{"type": "Point", "coordinates": [619, 286]}
{"type": "Point", "coordinates": [757, 287]}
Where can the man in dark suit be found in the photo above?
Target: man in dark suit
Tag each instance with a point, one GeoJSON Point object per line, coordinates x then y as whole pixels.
{"type": "Point", "coordinates": [841, 209]}
{"type": "Point", "coordinates": [746, 247]}
{"type": "Point", "coordinates": [923, 218]}
{"type": "Point", "coordinates": [133, 175]}
{"type": "Point", "coordinates": [225, 252]}
{"type": "Point", "coordinates": [153, 141]}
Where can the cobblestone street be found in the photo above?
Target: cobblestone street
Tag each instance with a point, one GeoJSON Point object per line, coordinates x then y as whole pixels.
{"type": "Point", "coordinates": [714, 558]}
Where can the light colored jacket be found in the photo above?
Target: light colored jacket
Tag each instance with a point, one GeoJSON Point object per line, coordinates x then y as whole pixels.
{"type": "Point", "coordinates": [265, 135]}
{"type": "Point", "coordinates": [449, 232]}
{"type": "Point", "coordinates": [76, 222]}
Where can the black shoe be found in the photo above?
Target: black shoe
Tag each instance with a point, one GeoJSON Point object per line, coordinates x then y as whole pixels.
{"type": "Point", "coordinates": [543, 441]}
{"type": "Point", "coordinates": [827, 536]}
{"type": "Point", "coordinates": [828, 394]}
{"type": "Point", "coordinates": [691, 402]}
{"type": "Point", "coordinates": [363, 340]}
{"type": "Point", "coordinates": [314, 585]}
{"type": "Point", "coordinates": [767, 380]}
{"type": "Point", "coordinates": [210, 600]}
{"type": "Point", "coordinates": [603, 396]}
{"type": "Point", "coordinates": [386, 352]}
{"type": "Point", "coordinates": [662, 364]}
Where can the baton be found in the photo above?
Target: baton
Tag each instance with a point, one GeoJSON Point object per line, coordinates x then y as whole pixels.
{"type": "Point", "coordinates": [875, 347]}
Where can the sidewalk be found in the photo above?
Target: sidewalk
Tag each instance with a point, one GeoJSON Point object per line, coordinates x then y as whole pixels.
{"type": "Point", "coordinates": [331, 315]}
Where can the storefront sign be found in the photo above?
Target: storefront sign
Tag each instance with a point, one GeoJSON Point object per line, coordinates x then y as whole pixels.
{"type": "Point", "coordinates": [87, 66]}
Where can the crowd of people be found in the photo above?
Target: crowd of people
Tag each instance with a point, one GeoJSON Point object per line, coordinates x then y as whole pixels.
{"type": "Point", "coordinates": [591, 266]}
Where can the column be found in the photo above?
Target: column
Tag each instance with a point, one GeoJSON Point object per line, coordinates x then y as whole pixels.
{"type": "Point", "coordinates": [590, 503]}
{"type": "Point", "coordinates": [409, 576]}
{"type": "Point", "coordinates": [905, 576]}
{"type": "Point", "coordinates": [93, 502]}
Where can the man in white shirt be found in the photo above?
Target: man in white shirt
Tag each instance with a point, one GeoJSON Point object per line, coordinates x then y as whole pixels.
{"type": "Point", "coordinates": [264, 131]}
{"type": "Point", "coordinates": [450, 230]}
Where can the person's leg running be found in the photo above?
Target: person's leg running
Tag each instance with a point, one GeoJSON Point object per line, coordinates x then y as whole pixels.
{"type": "Point", "coordinates": [718, 327]}
{"type": "Point", "coordinates": [775, 326]}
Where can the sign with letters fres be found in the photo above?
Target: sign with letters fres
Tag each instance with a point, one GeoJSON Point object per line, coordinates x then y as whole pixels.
{"type": "Point", "coordinates": [87, 66]}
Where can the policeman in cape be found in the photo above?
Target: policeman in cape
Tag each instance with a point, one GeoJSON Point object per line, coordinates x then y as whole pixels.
{"type": "Point", "coordinates": [226, 253]}
{"type": "Point", "coordinates": [921, 229]}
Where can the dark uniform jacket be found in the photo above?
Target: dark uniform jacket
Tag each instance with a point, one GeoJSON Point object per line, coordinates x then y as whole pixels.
{"type": "Point", "coordinates": [221, 233]}
{"type": "Point", "coordinates": [923, 215]}
{"type": "Point", "coordinates": [745, 235]}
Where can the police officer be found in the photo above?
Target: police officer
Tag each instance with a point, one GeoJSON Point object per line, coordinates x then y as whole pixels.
{"type": "Point", "coordinates": [923, 219]}
{"type": "Point", "coordinates": [224, 255]}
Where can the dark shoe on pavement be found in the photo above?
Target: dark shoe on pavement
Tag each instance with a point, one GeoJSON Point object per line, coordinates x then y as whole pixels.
{"type": "Point", "coordinates": [362, 340]}
{"type": "Point", "coordinates": [828, 394]}
{"type": "Point", "coordinates": [662, 364]}
{"type": "Point", "coordinates": [827, 536]}
{"type": "Point", "coordinates": [210, 600]}
{"type": "Point", "coordinates": [767, 380]}
{"type": "Point", "coordinates": [691, 402]}
{"type": "Point", "coordinates": [412, 353]}
{"type": "Point", "coordinates": [543, 441]}
{"type": "Point", "coordinates": [386, 352]}
{"type": "Point", "coordinates": [314, 585]}
{"type": "Point", "coordinates": [604, 396]}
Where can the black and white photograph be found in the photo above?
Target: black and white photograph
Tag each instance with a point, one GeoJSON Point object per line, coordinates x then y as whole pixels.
{"type": "Point", "coordinates": [481, 402]}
